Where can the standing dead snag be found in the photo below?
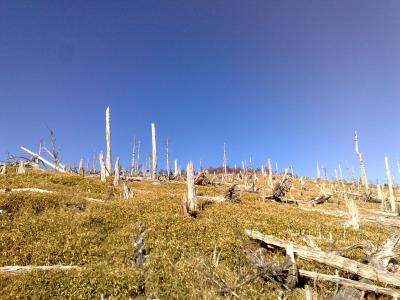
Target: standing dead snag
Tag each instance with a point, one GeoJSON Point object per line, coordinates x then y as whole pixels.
{"type": "Point", "coordinates": [128, 192]}
{"type": "Point", "coordinates": [282, 188]}
{"type": "Point", "coordinates": [81, 171]}
{"type": "Point", "coordinates": [354, 221]}
{"type": "Point", "coordinates": [176, 172]}
{"type": "Point", "coordinates": [392, 198]}
{"type": "Point", "coordinates": [140, 254]}
{"type": "Point", "coordinates": [108, 141]}
{"type": "Point", "coordinates": [116, 173]}
{"type": "Point", "coordinates": [21, 168]}
{"type": "Point", "coordinates": [133, 168]}
{"type": "Point", "coordinates": [191, 190]}
{"type": "Point", "coordinates": [364, 179]}
{"type": "Point", "coordinates": [154, 150]}
{"type": "Point", "coordinates": [102, 167]}
{"type": "Point", "coordinates": [166, 157]}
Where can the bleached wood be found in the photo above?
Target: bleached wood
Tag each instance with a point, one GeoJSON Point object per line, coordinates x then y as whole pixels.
{"type": "Point", "coordinates": [330, 259]}
{"type": "Point", "coordinates": [45, 161]}
{"type": "Point", "coordinates": [176, 173]}
{"type": "Point", "coordinates": [318, 171]}
{"type": "Point", "coordinates": [116, 173]}
{"type": "Point", "coordinates": [81, 170]}
{"type": "Point", "coordinates": [29, 190]}
{"type": "Point", "coordinates": [21, 168]}
{"type": "Point", "coordinates": [350, 283]}
{"type": "Point", "coordinates": [270, 182]}
{"type": "Point", "coordinates": [354, 221]}
{"type": "Point", "coordinates": [191, 190]}
{"type": "Point", "coordinates": [3, 169]}
{"type": "Point", "coordinates": [133, 168]}
{"type": "Point", "coordinates": [102, 168]}
{"type": "Point", "coordinates": [17, 269]}
{"type": "Point", "coordinates": [166, 157]}
{"type": "Point", "coordinates": [364, 179]}
{"type": "Point", "coordinates": [108, 142]}
{"type": "Point", "coordinates": [392, 198]}
{"type": "Point", "coordinates": [225, 162]}
{"type": "Point", "coordinates": [138, 158]}
{"type": "Point", "coordinates": [154, 150]}
{"type": "Point", "coordinates": [340, 172]}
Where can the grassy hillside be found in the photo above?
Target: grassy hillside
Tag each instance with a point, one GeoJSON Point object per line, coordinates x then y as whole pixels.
{"type": "Point", "coordinates": [69, 227]}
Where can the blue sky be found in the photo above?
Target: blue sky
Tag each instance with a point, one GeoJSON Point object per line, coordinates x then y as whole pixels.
{"type": "Point", "coordinates": [289, 80]}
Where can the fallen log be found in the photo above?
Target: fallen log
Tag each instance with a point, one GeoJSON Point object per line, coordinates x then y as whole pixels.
{"type": "Point", "coordinates": [32, 190]}
{"type": "Point", "coordinates": [351, 283]}
{"type": "Point", "coordinates": [17, 269]}
{"type": "Point", "coordinates": [330, 259]}
{"type": "Point", "coordinates": [45, 161]}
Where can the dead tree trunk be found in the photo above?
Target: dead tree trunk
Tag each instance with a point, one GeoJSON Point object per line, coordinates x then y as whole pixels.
{"type": "Point", "coordinates": [330, 259]}
{"type": "Point", "coordinates": [191, 190]}
{"type": "Point", "coordinates": [364, 179]}
{"type": "Point", "coordinates": [81, 171]}
{"type": "Point", "coordinates": [154, 151]}
{"type": "Point", "coordinates": [166, 157]}
{"type": "Point", "coordinates": [176, 173]}
{"type": "Point", "coordinates": [133, 169]}
{"type": "Point", "coordinates": [102, 167]}
{"type": "Point", "coordinates": [116, 173]}
{"type": "Point", "coordinates": [45, 161]}
{"type": "Point", "coordinates": [270, 182]}
{"type": "Point", "coordinates": [21, 168]}
{"type": "Point", "coordinates": [392, 198]}
{"type": "Point", "coordinates": [108, 142]}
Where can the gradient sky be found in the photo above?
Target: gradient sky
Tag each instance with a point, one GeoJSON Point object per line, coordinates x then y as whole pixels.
{"type": "Point", "coordinates": [289, 80]}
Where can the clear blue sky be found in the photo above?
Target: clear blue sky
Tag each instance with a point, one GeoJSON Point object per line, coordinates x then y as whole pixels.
{"type": "Point", "coordinates": [289, 80]}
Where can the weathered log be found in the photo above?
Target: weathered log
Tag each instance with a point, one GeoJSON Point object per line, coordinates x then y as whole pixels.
{"type": "Point", "coordinates": [350, 283]}
{"type": "Point", "coordinates": [320, 199]}
{"type": "Point", "coordinates": [330, 259]}
{"type": "Point", "coordinates": [45, 161]}
{"type": "Point", "coordinates": [18, 269]}
{"type": "Point", "coordinates": [201, 179]}
{"type": "Point", "coordinates": [29, 190]}
{"type": "Point", "coordinates": [140, 254]}
{"type": "Point", "coordinates": [231, 194]}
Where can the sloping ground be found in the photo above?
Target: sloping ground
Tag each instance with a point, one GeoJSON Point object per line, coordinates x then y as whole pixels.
{"type": "Point", "coordinates": [66, 227]}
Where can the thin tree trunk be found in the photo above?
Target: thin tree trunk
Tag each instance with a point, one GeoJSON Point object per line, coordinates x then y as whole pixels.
{"type": "Point", "coordinates": [191, 191]}
{"type": "Point", "coordinates": [392, 198]}
{"type": "Point", "coordinates": [108, 142]}
{"type": "Point", "coordinates": [154, 150]}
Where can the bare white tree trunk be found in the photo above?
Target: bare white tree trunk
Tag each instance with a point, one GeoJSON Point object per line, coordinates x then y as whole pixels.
{"type": "Point", "coordinates": [354, 221]}
{"type": "Point", "coordinates": [340, 172]}
{"type": "Point", "coordinates": [116, 173]}
{"type": "Point", "coordinates": [225, 162]}
{"type": "Point", "coordinates": [102, 167]}
{"type": "Point", "coordinates": [154, 150]}
{"type": "Point", "coordinates": [21, 168]}
{"type": "Point", "coordinates": [133, 170]}
{"type": "Point", "coordinates": [318, 171]}
{"type": "Point", "coordinates": [191, 191]}
{"type": "Point", "coordinates": [176, 172]}
{"type": "Point", "coordinates": [81, 171]}
{"type": "Point", "coordinates": [138, 158]}
{"type": "Point", "coordinates": [270, 182]}
{"type": "Point", "coordinates": [364, 179]}
{"type": "Point", "coordinates": [108, 141]}
{"type": "Point", "coordinates": [392, 198]}
{"type": "Point", "coordinates": [166, 156]}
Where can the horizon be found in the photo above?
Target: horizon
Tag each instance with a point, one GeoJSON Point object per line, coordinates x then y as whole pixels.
{"type": "Point", "coordinates": [289, 81]}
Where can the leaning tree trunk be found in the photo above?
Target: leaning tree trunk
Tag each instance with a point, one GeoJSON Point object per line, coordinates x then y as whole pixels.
{"type": "Point", "coordinates": [116, 173]}
{"type": "Point", "coordinates": [108, 141]}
